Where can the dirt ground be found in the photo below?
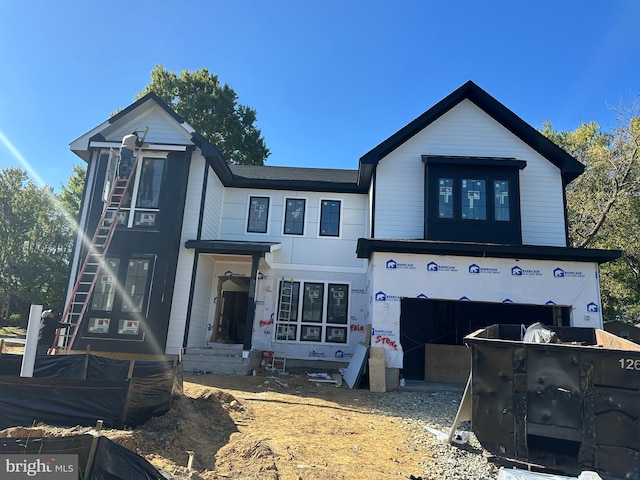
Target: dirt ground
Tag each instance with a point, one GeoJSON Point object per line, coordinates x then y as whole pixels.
{"type": "Point", "coordinates": [269, 427]}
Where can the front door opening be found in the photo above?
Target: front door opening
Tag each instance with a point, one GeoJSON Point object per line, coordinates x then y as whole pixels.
{"type": "Point", "coordinates": [231, 310]}
{"type": "Point", "coordinates": [425, 322]}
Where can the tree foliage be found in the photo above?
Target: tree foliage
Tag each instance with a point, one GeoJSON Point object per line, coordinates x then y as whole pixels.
{"type": "Point", "coordinates": [213, 110]}
{"type": "Point", "coordinates": [35, 244]}
{"type": "Point", "coordinates": [71, 194]}
{"type": "Point", "coordinates": [603, 205]}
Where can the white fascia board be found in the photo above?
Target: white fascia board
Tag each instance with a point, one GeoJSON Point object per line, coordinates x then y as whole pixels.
{"type": "Point", "coordinates": [82, 143]}
{"type": "Point", "coordinates": [187, 127]}
{"type": "Point", "coordinates": [151, 146]}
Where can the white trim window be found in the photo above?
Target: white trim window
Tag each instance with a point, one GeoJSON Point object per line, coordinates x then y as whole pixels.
{"type": "Point", "coordinates": [294, 213]}
{"type": "Point", "coordinates": [330, 218]}
{"type": "Point", "coordinates": [258, 214]}
{"type": "Point", "coordinates": [319, 315]}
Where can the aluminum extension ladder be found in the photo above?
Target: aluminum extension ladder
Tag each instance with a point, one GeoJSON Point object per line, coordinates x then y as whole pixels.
{"type": "Point", "coordinates": [94, 260]}
{"type": "Point", "coordinates": [283, 319]}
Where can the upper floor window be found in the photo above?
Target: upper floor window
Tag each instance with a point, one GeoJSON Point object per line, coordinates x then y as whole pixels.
{"type": "Point", "coordinates": [294, 216]}
{"type": "Point", "coordinates": [330, 218]}
{"type": "Point", "coordinates": [469, 199]}
{"type": "Point", "coordinates": [141, 203]}
{"type": "Point", "coordinates": [473, 199]}
{"type": "Point", "coordinates": [258, 214]}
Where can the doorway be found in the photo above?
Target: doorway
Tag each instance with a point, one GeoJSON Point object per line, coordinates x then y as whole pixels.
{"type": "Point", "coordinates": [425, 322]}
{"type": "Point", "coordinates": [231, 310]}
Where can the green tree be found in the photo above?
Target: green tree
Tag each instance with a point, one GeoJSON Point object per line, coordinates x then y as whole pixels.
{"type": "Point", "coordinates": [71, 194]}
{"type": "Point", "coordinates": [603, 206]}
{"type": "Point", "coordinates": [35, 244]}
{"type": "Point", "coordinates": [213, 110]}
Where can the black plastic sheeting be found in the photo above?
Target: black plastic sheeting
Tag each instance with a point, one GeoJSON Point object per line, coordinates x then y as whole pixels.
{"type": "Point", "coordinates": [111, 461]}
{"type": "Point", "coordinates": [69, 390]}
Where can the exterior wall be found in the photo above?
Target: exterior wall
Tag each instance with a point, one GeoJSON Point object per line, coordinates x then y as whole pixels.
{"type": "Point", "coordinates": [162, 128]}
{"type": "Point", "coordinates": [466, 130]}
{"type": "Point", "coordinates": [309, 249]}
{"type": "Point", "coordinates": [533, 282]}
{"type": "Point", "coordinates": [264, 324]}
{"type": "Point", "coordinates": [180, 303]}
{"type": "Point", "coordinates": [203, 306]}
{"type": "Point", "coordinates": [212, 207]}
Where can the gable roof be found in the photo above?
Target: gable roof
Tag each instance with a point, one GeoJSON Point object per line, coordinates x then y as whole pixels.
{"type": "Point", "coordinates": [570, 168]}
{"type": "Point", "coordinates": [100, 133]}
{"type": "Point", "coordinates": [149, 96]}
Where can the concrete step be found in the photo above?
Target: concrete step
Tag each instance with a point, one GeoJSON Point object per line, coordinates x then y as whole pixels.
{"type": "Point", "coordinates": [220, 361]}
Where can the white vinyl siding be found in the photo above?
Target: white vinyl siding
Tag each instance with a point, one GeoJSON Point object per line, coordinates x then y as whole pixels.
{"type": "Point", "coordinates": [163, 129]}
{"type": "Point", "coordinates": [180, 301]}
{"type": "Point", "coordinates": [212, 207]}
{"type": "Point", "coordinates": [466, 130]}
{"type": "Point", "coordinates": [203, 304]}
{"type": "Point", "coordinates": [307, 249]}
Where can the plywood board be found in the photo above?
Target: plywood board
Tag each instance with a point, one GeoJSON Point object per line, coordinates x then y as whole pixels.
{"type": "Point", "coordinates": [447, 363]}
{"type": "Point", "coordinates": [377, 376]}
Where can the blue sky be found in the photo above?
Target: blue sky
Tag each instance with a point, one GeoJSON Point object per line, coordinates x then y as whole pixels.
{"type": "Point", "coordinates": [329, 80]}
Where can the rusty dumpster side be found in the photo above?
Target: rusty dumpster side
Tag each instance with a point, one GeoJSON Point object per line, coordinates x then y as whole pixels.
{"type": "Point", "coordinates": [568, 406]}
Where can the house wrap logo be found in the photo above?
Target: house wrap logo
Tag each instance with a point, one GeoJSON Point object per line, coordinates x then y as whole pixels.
{"type": "Point", "coordinates": [393, 265]}
{"type": "Point", "coordinates": [560, 273]}
{"type": "Point", "coordinates": [517, 271]}
{"type": "Point", "coordinates": [592, 307]}
{"type": "Point", "coordinates": [434, 267]}
{"type": "Point", "coordinates": [477, 270]}
{"type": "Point", "coordinates": [383, 297]}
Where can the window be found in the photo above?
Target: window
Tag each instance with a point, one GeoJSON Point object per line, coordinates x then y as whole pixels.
{"type": "Point", "coordinates": [120, 298]}
{"type": "Point", "coordinates": [105, 288]}
{"type": "Point", "coordinates": [258, 214]}
{"type": "Point", "coordinates": [501, 200]}
{"type": "Point", "coordinates": [472, 199]}
{"type": "Point", "coordinates": [294, 216]}
{"type": "Point", "coordinates": [312, 302]}
{"type": "Point", "coordinates": [320, 316]}
{"type": "Point", "coordinates": [337, 303]}
{"type": "Point", "coordinates": [135, 284]}
{"type": "Point", "coordinates": [445, 202]}
{"type": "Point", "coordinates": [144, 211]}
{"type": "Point", "coordinates": [330, 218]}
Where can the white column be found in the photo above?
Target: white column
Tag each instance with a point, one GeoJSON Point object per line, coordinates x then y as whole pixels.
{"type": "Point", "coordinates": [31, 345]}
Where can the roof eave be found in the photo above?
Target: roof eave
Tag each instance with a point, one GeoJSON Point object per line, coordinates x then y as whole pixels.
{"type": "Point", "coordinates": [367, 246]}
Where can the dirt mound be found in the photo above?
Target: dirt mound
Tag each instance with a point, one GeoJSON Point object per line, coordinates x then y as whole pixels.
{"type": "Point", "coordinates": [267, 428]}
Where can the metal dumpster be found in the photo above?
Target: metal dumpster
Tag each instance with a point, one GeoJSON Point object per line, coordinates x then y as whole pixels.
{"type": "Point", "coordinates": [568, 406]}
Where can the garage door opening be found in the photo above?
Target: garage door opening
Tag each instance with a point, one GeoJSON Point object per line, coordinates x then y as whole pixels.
{"type": "Point", "coordinates": [432, 332]}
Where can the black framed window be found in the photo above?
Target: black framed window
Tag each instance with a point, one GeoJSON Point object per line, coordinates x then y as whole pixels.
{"type": "Point", "coordinates": [330, 218]}
{"type": "Point", "coordinates": [501, 200]}
{"type": "Point", "coordinates": [294, 216]}
{"type": "Point", "coordinates": [120, 298]}
{"type": "Point", "coordinates": [472, 199]}
{"type": "Point", "coordinates": [258, 214]}
{"type": "Point", "coordinates": [141, 204]}
{"type": "Point", "coordinates": [321, 315]}
{"type": "Point", "coordinates": [338, 303]}
{"type": "Point", "coordinates": [312, 302]}
{"type": "Point", "coordinates": [445, 202]}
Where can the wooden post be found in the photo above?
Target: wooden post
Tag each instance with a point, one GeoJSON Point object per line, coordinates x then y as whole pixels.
{"type": "Point", "coordinates": [94, 448]}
